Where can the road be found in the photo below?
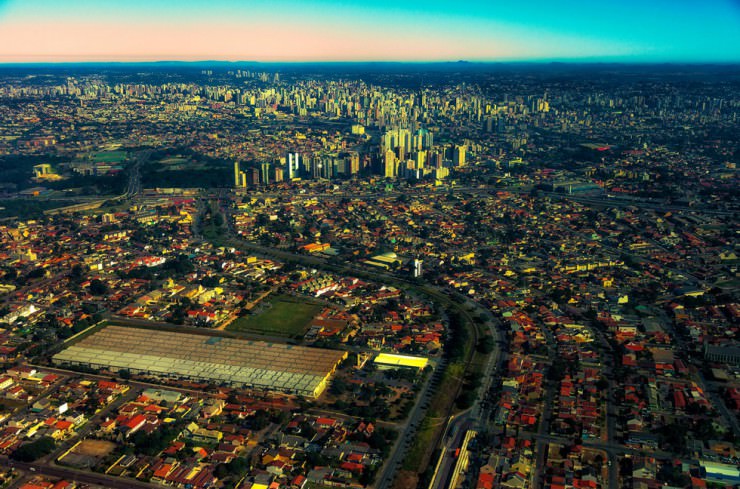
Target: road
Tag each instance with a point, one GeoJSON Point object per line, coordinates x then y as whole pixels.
{"type": "Point", "coordinates": [405, 438]}
{"type": "Point", "coordinates": [74, 475]}
{"type": "Point", "coordinates": [611, 448]}
{"type": "Point", "coordinates": [607, 358]}
{"type": "Point", "coordinates": [37, 284]}
{"type": "Point", "coordinates": [133, 187]}
{"type": "Point", "coordinates": [478, 415]}
{"type": "Point", "coordinates": [453, 438]}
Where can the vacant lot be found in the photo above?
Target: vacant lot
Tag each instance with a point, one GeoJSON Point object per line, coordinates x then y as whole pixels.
{"type": "Point", "coordinates": [88, 453]}
{"type": "Point", "coordinates": [285, 316]}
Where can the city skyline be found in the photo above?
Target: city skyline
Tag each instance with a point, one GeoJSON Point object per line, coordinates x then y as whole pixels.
{"type": "Point", "coordinates": [326, 30]}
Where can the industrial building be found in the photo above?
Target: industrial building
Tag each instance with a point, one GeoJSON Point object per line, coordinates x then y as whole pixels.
{"type": "Point", "coordinates": [236, 362]}
{"type": "Point", "coordinates": [392, 360]}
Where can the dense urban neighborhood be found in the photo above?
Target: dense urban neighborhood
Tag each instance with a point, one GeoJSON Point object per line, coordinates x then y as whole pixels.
{"type": "Point", "coordinates": [278, 277]}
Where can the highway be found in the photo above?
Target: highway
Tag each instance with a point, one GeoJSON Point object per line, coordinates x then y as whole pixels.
{"type": "Point", "coordinates": [453, 438]}
{"type": "Point", "coordinates": [478, 415]}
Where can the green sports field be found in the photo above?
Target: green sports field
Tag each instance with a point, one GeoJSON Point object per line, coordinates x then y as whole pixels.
{"type": "Point", "coordinates": [288, 316]}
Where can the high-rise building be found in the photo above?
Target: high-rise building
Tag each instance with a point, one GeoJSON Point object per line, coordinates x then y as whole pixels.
{"type": "Point", "coordinates": [253, 177]}
{"type": "Point", "coordinates": [354, 163]}
{"type": "Point", "coordinates": [277, 174]}
{"type": "Point", "coordinates": [265, 173]}
{"type": "Point", "coordinates": [315, 166]}
{"type": "Point", "coordinates": [420, 158]}
{"type": "Point", "coordinates": [422, 139]}
{"type": "Point", "coordinates": [417, 267]}
{"type": "Point", "coordinates": [237, 171]}
{"type": "Point", "coordinates": [292, 166]}
{"type": "Point", "coordinates": [389, 164]}
{"type": "Point", "coordinates": [458, 156]}
{"type": "Point", "coordinates": [326, 167]}
{"type": "Point", "coordinates": [435, 159]}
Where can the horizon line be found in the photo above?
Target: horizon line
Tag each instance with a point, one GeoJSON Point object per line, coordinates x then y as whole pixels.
{"type": "Point", "coordinates": [540, 61]}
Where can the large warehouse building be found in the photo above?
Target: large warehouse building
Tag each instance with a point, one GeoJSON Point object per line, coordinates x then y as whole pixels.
{"type": "Point", "coordinates": [253, 364]}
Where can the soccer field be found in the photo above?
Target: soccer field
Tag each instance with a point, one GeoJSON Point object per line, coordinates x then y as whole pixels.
{"type": "Point", "coordinates": [288, 316]}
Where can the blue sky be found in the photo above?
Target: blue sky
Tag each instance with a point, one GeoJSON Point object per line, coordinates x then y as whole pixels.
{"type": "Point", "coordinates": [437, 30]}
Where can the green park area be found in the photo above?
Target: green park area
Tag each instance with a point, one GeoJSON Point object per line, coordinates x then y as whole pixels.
{"type": "Point", "coordinates": [182, 163]}
{"type": "Point", "coordinates": [29, 208]}
{"type": "Point", "coordinates": [174, 160]}
{"type": "Point", "coordinates": [281, 315]}
{"type": "Point", "coordinates": [109, 157]}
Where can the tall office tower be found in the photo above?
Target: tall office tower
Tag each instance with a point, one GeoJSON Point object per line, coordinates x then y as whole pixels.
{"type": "Point", "coordinates": [417, 267]}
{"type": "Point", "coordinates": [410, 170]}
{"type": "Point", "coordinates": [435, 159]}
{"type": "Point", "coordinates": [328, 169]}
{"type": "Point", "coordinates": [418, 139]}
{"type": "Point", "coordinates": [292, 166]}
{"type": "Point", "coordinates": [316, 166]}
{"type": "Point", "coordinates": [265, 173]}
{"type": "Point", "coordinates": [401, 153]}
{"type": "Point", "coordinates": [389, 164]}
{"type": "Point", "coordinates": [253, 177]}
{"type": "Point", "coordinates": [354, 163]}
{"type": "Point", "coordinates": [237, 179]}
{"type": "Point", "coordinates": [441, 173]}
{"type": "Point", "coordinates": [428, 140]}
{"type": "Point", "coordinates": [341, 166]}
{"type": "Point", "coordinates": [458, 156]}
{"type": "Point", "coordinates": [420, 158]}
{"type": "Point", "coordinates": [404, 138]}
{"type": "Point", "coordinates": [388, 141]}
{"type": "Point", "coordinates": [277, 174]}
{"type": "Point", "coordinates": [307, 164]}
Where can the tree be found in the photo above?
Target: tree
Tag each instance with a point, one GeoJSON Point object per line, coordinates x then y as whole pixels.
{"type": "Point", "coordinates": [221, 471]}
{"type": "Point", "coordinates": [98, 287]}
{"type": "Point", "coordinates": [466, 399]}
{"type": "Point", "coordinates": [34, 450]}
{"type": "Point", "coordinates": [485, 345]}
{"type": "Point", "coordinates": [338, 386]}
{"type": "Point", "coordinates": [77, 273]}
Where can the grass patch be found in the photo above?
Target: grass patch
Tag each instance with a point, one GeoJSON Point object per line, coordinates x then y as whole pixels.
{"type": "Point", "coordinates": [110, 157]}
{"type": "Point", "coordinates": [425, 438]}
{"type": "Point", "coordinates": [288, 316]}
{"type": "Point", "coordinates": [174, 160]}
{"type": "Point", "coordinates": [214, 234]}
{"type": "Point", "coordinates": [29, 208]}
{"type": "Point", "coordinates": [418, 457]}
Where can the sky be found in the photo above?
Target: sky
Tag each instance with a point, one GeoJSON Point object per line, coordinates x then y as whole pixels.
{"type": "Point", "coordinates": [370, 30]}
